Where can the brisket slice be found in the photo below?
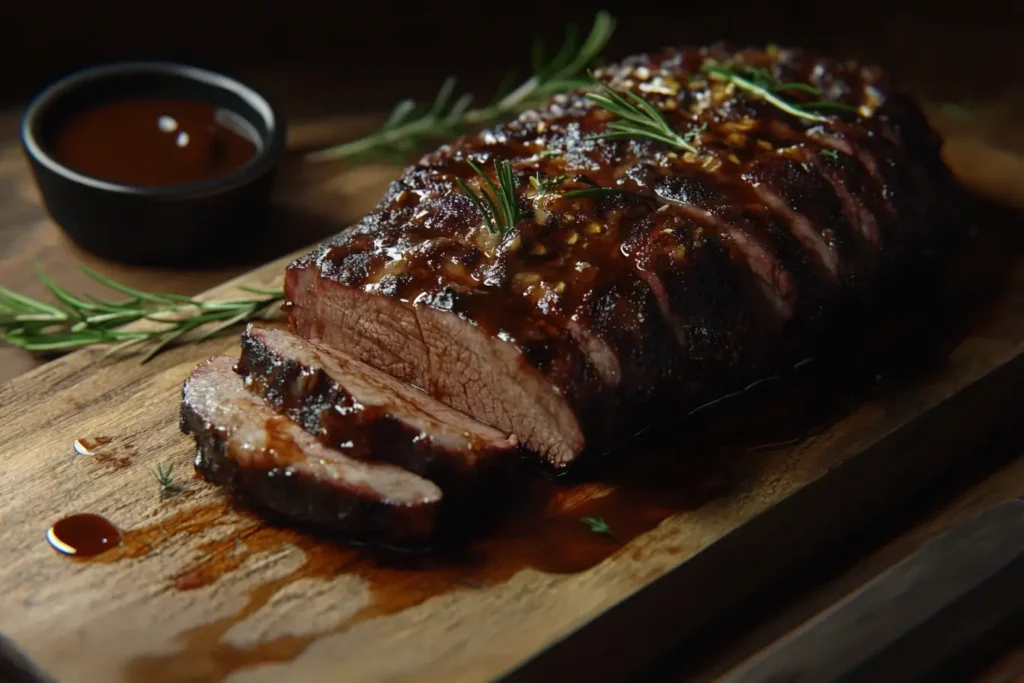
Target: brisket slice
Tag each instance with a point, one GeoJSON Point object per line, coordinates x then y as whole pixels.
{"type": "Point", "coordinates": [369, 415]}
{"type": "Point", "coordinates": [603, 313]}
{"type": "Point", "coordinates": [271, 461]}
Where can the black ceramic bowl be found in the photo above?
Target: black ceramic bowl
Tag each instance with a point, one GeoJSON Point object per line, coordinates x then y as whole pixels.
{"type": "Point", "coordinates": [175, 225]}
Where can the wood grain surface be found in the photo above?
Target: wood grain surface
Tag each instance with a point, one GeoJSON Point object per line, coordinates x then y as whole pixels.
{"type": "Point", "coordinates": [200, 591]}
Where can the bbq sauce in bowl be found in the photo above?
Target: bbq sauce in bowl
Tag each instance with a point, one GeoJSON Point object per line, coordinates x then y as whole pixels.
{"type": "Point", "coordinates": [153, 163]}
{"type": "Point", "coordinates": [155, 142]}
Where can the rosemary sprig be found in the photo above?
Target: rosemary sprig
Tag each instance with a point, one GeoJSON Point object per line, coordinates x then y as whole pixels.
{"type": "Point", "coordinates": [75, 322]}
{"type": "Point", "coordinates": [500, 208]}
{"type": "Point", "coordinates": [403, 132]}
{"type": "Point", "coordinates": [638, 118]}
{"type": "Point", "coordinates": [759, 82]}
{"type": "Point", "coordinates": [598, 525]}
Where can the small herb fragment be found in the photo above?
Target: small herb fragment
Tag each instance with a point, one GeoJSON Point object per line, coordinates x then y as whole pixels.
{"type": "Point", "coordinates": [830, 153]}
{"type": "Point", "coordinates": [548, 185]}
{"type": "Point", "coordinates": [76, 322]}
{"type": "Point", "coordinates": [638, 118]}
{"type": "Point", "coordinates": [598, 525]}
{"type": "Point", "coordinates": [500, 208]}
{"type": "Point", "coordinates": [759, 82]}
{"type": "Point", "coordinates": [165, 480]}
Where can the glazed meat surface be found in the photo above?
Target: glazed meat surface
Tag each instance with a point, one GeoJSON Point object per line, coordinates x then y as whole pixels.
{"type": "Point", "coordinates": [597, 314]}
{"type": "Point", "coordinates": [271, 461]}
{"type": "Point", "coordinates": [369, 415]}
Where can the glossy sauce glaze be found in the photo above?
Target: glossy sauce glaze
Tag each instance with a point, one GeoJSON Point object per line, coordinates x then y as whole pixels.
{"type": "Point", "coordinates": [715, 452]}
{"type": "Point", "coordinates": [154, 142]}
{"type": "Point", "coordinates": [711, 454]}
{"type": "Point", "coordinates": [670, 205]}
{"type": "Point", "coordinates": [692, 274]}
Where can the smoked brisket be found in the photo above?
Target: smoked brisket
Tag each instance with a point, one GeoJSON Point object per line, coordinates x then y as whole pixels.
{"type": "Point", "coordinates": [691, 273]}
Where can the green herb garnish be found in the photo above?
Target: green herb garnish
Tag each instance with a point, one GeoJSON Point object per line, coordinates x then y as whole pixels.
{"type": "Point", "coordinates": [403, 132]}
{"type": "Point", "coordinates": [638, 118]}
{"type": "Point", "coordinates": [500, 208]}
{"type": "Point", "coordinates": [598, 525]}
{"type": "Point", "coordinates": [546, 186]}
{"type": "Point", "coordinates": [164, 479]}
{"type": "Point", "coordinates": [830, 153]}
{"type": "Point", "coordinates": [76, 322]}
{"type": "Point", "coordinates": [759, 82]}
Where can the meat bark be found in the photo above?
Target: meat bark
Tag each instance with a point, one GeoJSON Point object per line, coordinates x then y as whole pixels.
{"type": "Point", "coordinates": [269, 460]}
{"type": "Point", "coordinates": [601, 313]}
{"type": "Point", "coordinates": [369, 415]}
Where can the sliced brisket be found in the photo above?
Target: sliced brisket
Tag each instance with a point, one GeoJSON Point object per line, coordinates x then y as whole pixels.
{"type": "Point", "coordinates": [602, 313]}
{"type": "Point", "coordinates": [268, 459]}
{"type": "Point", "coordinates": [369, 415]}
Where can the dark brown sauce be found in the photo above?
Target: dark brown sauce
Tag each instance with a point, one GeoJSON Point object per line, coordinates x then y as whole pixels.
{"type": "Point", "coordinates": [103, 450]}
{"type": "Point", "coordinates": [542, 530]}
{"type": "Point", "coordinates": [83, 535]}
{"type": "Point", "coordinates": [91, 445]}
{"type": "Point", "coordinates": [154, 142]}
{"type": "Point", "coordinates": [719, 448]}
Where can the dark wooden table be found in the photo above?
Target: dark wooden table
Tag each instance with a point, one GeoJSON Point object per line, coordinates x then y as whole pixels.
{"type": "Point", "coordinates": [985, 146]}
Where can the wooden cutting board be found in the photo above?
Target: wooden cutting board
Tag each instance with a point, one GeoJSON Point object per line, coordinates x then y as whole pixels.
{"type": "Point", "coordinates": [201, 591]}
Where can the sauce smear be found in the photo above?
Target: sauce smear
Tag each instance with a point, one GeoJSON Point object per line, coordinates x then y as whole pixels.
{"type": "Point", "coordinates": [155, 142]}
{"type": "Point", "coordinates": [91, 445]}
{"type": "Point", "coordinates": [83, 535]}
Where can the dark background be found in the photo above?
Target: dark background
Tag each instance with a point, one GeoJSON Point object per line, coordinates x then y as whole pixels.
{"type": "Point", "coordinates": [374, 49]}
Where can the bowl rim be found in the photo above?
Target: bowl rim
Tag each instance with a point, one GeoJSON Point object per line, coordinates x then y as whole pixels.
{"type": "Point", "coordinates": [269, 154]}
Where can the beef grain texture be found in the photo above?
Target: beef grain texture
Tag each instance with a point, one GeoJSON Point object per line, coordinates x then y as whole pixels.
{"type": "Point", "coordinates": [369, 415]}
{"type": "Point", "coordinates": [601, 314]}
{"type": "Point", "coordinates": [244, 445]}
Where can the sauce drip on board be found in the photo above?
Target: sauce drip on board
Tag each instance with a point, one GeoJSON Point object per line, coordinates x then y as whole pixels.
{"type": "Point", "coordinates": [103, 450]}
{"type": "Point", "coordinates": [154, 142]}
{"type": "Point", "coordinates": [724, 449]}
{"type": "Point", "coordinates": [90, 445]}
{"type": "Point", "coordinates": [83, 535]}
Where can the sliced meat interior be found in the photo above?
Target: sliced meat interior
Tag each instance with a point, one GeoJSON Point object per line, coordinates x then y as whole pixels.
{"type": "Point", "coordinates": [244, 444]}
{"type": "Point", "coordinates": [370, 415]}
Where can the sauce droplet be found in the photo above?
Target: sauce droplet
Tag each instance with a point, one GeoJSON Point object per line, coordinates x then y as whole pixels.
{"type": "Point", "coordinates": [83, 535]}
{"type": "Point", "coordinates": [90, 445]}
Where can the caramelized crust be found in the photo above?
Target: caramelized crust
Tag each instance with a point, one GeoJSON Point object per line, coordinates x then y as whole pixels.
{"type": "Point", "coordinates": [703, 269]}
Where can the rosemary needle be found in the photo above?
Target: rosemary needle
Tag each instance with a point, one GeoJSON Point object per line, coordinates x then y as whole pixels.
{"type": "Point", "coordinates": [500, 208]}
{"type": "Point", "coordinates": [760, 83]}
{"type": "Point", "coordinates": [403, 133]}
{"type": "Point", "coordinates": [597, 525]}
{"type": "Point", "coordinates": [638, 118]}
{"type": "Point", "coordinates": [163, 476]}
{"type": "Point", "coordinates": [75, 322]}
